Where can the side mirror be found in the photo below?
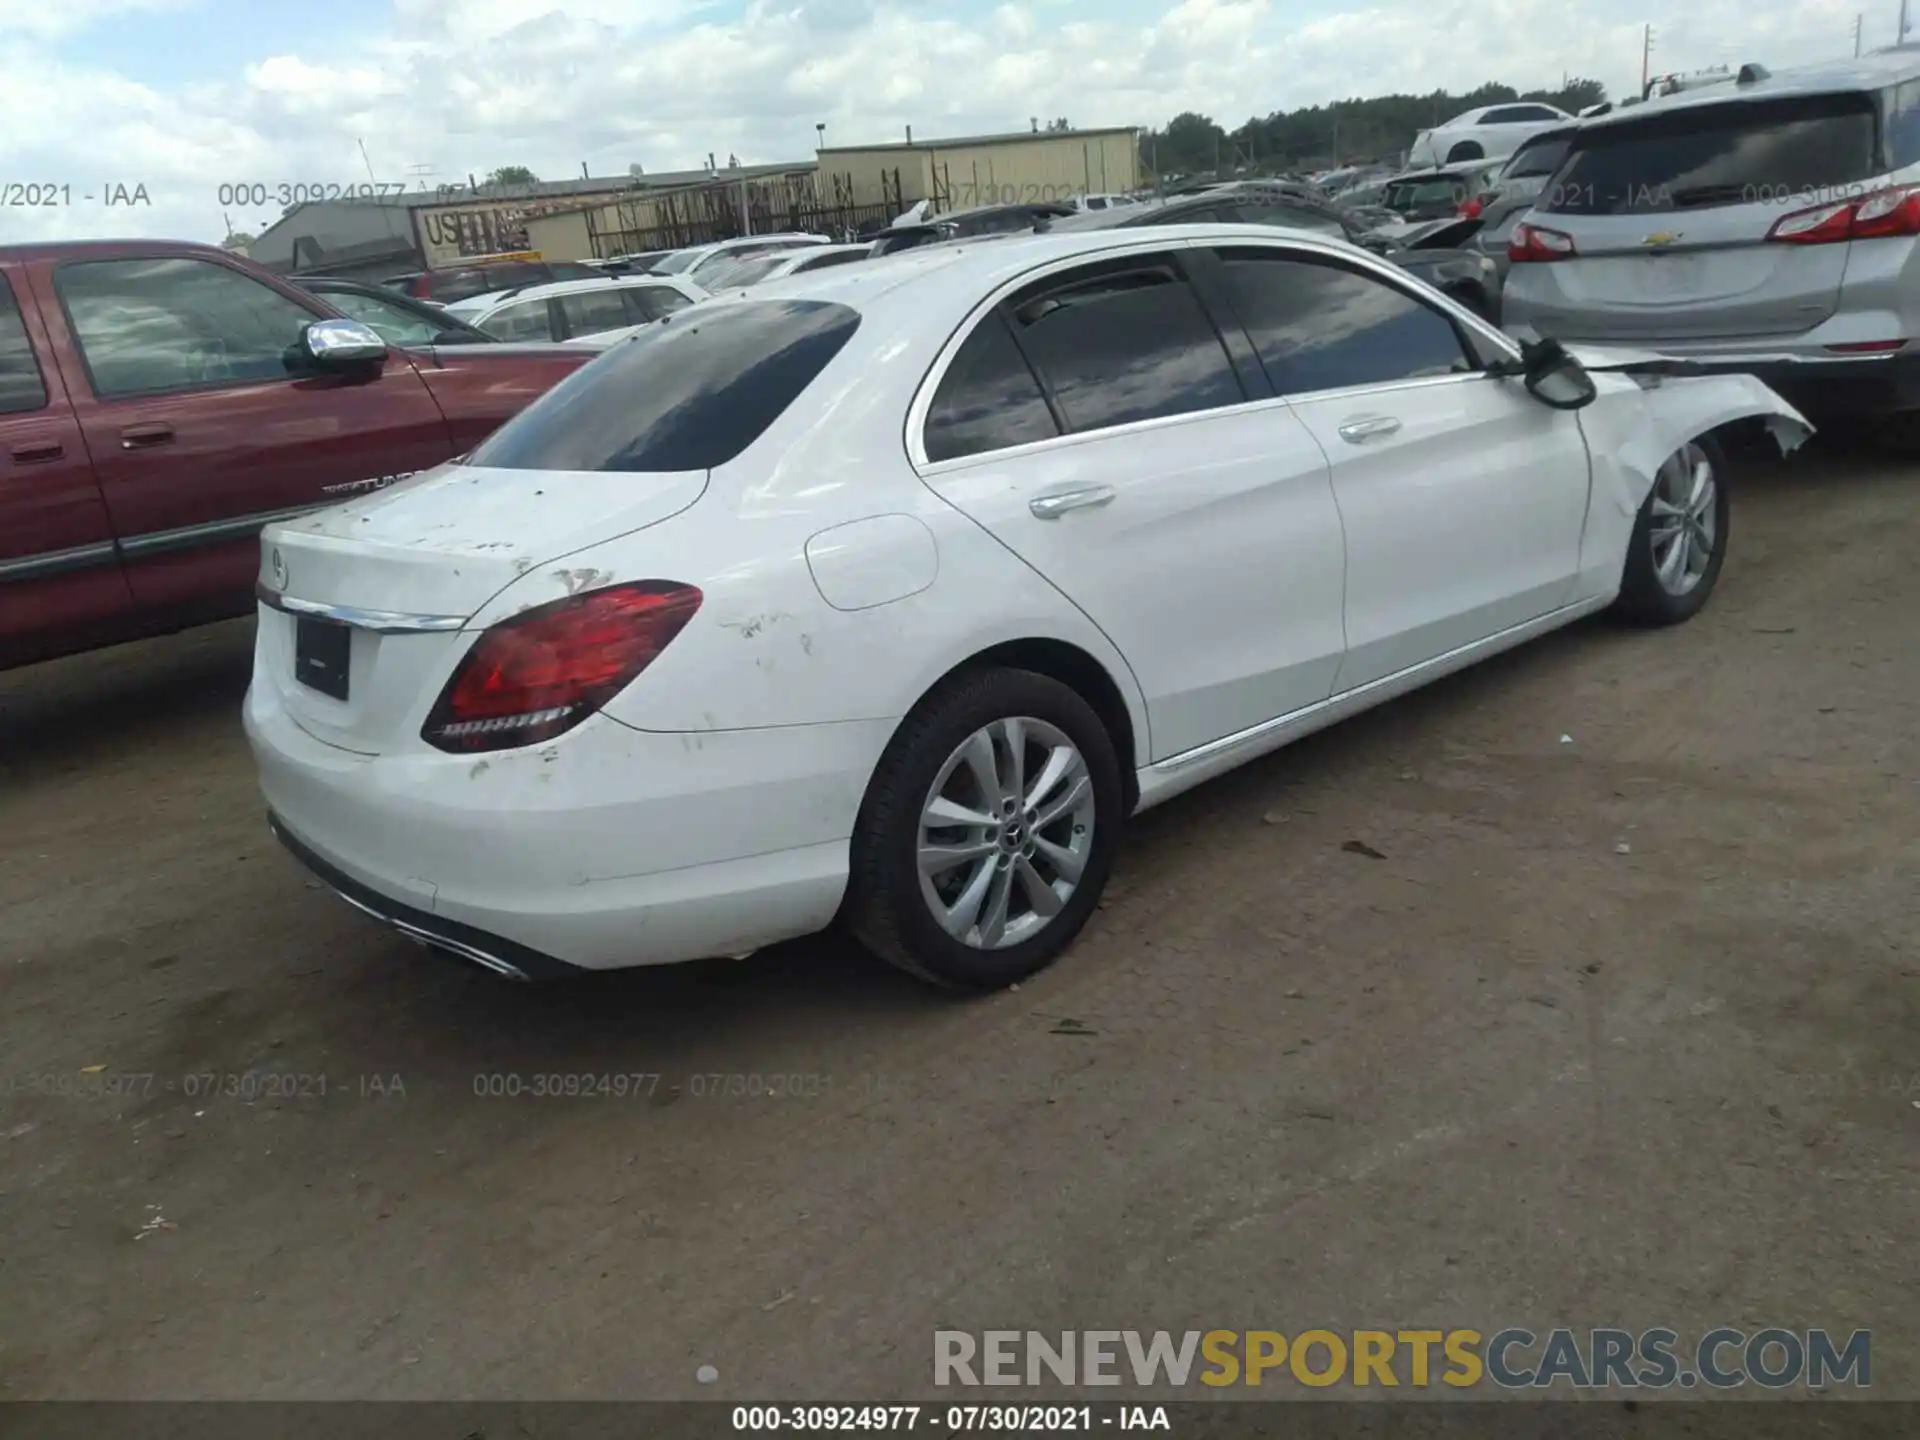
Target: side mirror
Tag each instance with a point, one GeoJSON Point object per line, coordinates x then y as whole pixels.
{"type": "Point", "coordinates": [332, 346]}
{"type": "Point", "coordinates": [1555, 378]}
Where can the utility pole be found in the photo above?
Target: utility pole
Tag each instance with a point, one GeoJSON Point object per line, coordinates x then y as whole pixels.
{"type": "Point", "coordinates": [1903, 23]}
{"type": "Point", "coordinates": [1858, 21]}
{"type": "Point", "coordinates": [1646, 54]}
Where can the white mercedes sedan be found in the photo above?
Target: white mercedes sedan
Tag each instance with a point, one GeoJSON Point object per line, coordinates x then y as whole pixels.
{"type": "Point", "coordinates": [885, 596]}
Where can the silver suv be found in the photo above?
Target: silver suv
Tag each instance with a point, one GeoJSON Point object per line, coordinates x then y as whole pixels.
{"type": "Point", "coordinates": [1770, 226]}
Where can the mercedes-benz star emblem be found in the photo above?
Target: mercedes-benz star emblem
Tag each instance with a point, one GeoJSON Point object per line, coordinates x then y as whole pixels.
{"type": "Point", "coordinates": [278, 564]}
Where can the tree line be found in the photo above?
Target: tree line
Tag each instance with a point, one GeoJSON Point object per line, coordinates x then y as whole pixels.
{"type": "Point", "coordinates": [1380, 127]}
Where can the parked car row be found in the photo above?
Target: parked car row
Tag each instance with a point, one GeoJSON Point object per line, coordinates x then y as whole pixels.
{"type": "Point", "coordinates": [1134, 506]}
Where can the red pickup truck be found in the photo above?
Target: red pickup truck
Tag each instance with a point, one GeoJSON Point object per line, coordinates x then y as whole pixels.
{"type": "Point", "coordinates": [161, 402]}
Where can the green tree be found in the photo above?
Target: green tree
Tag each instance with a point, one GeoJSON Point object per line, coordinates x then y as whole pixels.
{"type": "Point", "coordinates": [513, 175]}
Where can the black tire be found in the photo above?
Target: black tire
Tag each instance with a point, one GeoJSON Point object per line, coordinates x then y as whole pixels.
{"type": "Point", "coordinates": [1644, 599]}
{"type": "Point", "coordinates": [886, 908]}
{"type": "Point", "coordinates": [1466, 150]}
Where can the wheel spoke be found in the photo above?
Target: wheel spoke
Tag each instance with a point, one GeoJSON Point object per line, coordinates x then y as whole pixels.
{"type": "Point", "coordinates": [1014, 731]}
{"type": "Point", "coordinates": [960, 916]}
{"type": "Point", "coordinates": [1673, 564]}
{"type": "Point", "coordinates": [1065, 805]}
{"type": "Point", "coordinates": [942, 811]}
{"type": "Point", "coordinates": [1700, 492]}
{"type": "Point", "coordinates": [993, 920]}
{"type": "Point", "coordinates": [1044, 899]}
{"type": "Point", "coordinates": [1664, 509]}
{"type": "Point", "coordinates": [985, 766]}
{"type": "Point", "coordinates": [1066, 863]}
{"type": "Point", "coordinates": [938, 859]}
{"type": "Point", "coordinates": [1060, 760]}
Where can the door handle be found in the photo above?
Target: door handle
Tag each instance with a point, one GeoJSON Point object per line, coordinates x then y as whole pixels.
{"type": "Point", "coordinates": [36, 454]}
{"type": "Point", "coordinates": [1358, 432]}
{"type": "Point", "coordinates": [1052, 507]}
{"type": "Point", "coordinates": [140, 437]}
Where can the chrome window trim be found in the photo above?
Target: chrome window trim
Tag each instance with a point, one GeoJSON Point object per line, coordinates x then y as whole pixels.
{"type": "Point", "coordinates": [1237, 236]}
{"type": "Point", "coordinates": [380, 622]}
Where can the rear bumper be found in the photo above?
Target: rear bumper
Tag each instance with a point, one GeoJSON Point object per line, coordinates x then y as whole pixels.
{"type": "Point", "coordinates": [492, 952]}
{"type": "Point", "coordinates": [606, 848]}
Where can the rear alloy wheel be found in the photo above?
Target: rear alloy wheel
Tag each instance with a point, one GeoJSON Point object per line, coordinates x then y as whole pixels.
{"type": "Point", "coordinates": [988, 832]}
{"type": "Point", "coordinates": [1679, 539]}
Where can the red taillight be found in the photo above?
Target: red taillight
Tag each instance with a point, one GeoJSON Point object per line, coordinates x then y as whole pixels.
{"type": "Point", "coordinates": [1537, 245]}
{"type": "Point", "coordinates": [540, 674]}
{"type": "Point", "coordinates": [1470, 209]}
{"type": "Point", "coordinates": [421, 287]}
{"type": "Point", "coordinates": [1867, 347]}
{"type": "Point", "coordinates": [1883, 213]}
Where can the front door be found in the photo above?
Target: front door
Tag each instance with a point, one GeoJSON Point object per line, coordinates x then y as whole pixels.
{"type": "Point", "coordinates": [61, 588]}
{"type": "Point", "coordinates": [200, 435]}
{"type": "Point", "coordinates": [1463, 498]}
{"type": "Point", "coordinates": [1096, 424]}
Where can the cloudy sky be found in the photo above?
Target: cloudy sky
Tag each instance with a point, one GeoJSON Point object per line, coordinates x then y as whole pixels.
{"type": "Point", "coordinates": [183, 96]}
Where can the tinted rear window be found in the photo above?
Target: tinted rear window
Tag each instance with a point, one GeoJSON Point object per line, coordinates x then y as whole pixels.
{"type": "Point", "coordinates": [1537, 160]}
{"type": "Point", "coordinates": [687, 394]}
{"type": "Point", "coordinates": [1741, 153]}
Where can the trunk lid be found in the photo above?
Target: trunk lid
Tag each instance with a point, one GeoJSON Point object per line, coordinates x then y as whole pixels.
{"type": "Point", "coordinates": [429, 551]}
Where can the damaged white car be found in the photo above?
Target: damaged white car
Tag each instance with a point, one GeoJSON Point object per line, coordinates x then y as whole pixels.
{"type": "Point", "coordinates": [888, 594]}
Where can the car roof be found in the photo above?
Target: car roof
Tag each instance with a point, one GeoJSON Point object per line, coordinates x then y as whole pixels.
{"type": "Point", "coordinates": [964, 271]}
{"type": "Point", "coordinates": [548, 289]}
{"type": "Point", "coordinates": [1875, 70]}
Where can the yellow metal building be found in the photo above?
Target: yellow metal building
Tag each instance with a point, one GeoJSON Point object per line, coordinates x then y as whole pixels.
{"type": "Point", "coordinates": [959, 173]}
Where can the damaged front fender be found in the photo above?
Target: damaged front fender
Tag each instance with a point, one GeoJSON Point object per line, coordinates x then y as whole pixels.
{"type": "Point", "coordinates": [1640, 417]}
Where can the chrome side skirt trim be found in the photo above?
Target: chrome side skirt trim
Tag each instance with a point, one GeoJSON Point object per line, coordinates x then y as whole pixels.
{"type": "Point", "coordinates": [187, 537]}
{"type": "Point", "coordinates": [1167, 778]}
{"type": "Point", "coordinates": [380, 622]}
{"type": "Point", "coordinates": [58, 562]}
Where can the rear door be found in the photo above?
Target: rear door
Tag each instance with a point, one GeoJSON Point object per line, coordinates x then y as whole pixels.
{"type": "Point", "coordinates": [1463, 498]}
{"type": "Point", "coordinates": [200, 435]}
{"type": "Point", "coordinates": [1098, 424]}
{"type": "Point", "coordinates": [61, 587]}
{"type": "Point", "coordinates": [1670, 215]}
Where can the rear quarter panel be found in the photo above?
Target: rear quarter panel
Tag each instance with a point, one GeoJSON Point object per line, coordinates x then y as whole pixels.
{"type": "Point", "coordinates": [766, 648]}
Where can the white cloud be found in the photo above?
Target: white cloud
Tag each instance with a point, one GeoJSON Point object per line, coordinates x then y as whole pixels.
{"type": "Point", "coordinates": [461, 86]}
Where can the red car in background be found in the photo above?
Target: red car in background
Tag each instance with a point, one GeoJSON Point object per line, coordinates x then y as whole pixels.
{"type": "Point", "coordinates": [160, 402]}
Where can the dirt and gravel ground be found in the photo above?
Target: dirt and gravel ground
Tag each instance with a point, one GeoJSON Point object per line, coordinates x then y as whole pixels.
{"type": "Point", "coordinates": [1620, 1031]}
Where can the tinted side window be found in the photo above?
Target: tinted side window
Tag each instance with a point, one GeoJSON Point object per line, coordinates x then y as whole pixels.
{"type": "Point", "coordinates": [988, 399]}
{"type": "Point", "coordinates": [394, 324]}
{"type": "Point", "coordinates": [524, 320]}
{"type": "Point", "coordinates": [21, 387]}
{"type": "Point", "coordinates": [567, 270]}
{"type": "Point", "coordinates": [593, 311]}
{"type": "Point", "coordinates": [148, 326]}
{"type": "Point", "coordinates": [1903, 125]}
{"type": "Point", "coordinates": [1324, 327]}
{"type": "Point", "coordinates": [687, 395]}
{"type": "Point", "coordinates": [1122, 342]}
